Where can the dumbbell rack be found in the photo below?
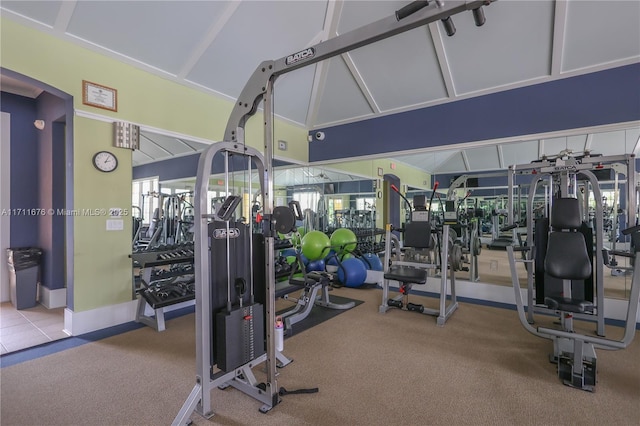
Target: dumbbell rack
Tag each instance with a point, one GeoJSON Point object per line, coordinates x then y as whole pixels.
{"type": "Point", "coordinates": [179, 257]}
{"type": "Point", "coordinates": [369, 240]}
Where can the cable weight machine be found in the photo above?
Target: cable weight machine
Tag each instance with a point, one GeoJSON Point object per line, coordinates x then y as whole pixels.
{"type": "Point", "coordinates": [259, 89]}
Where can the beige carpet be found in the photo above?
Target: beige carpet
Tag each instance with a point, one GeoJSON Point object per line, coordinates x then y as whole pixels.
{"type": "Point", "coordinates": [482, 368]}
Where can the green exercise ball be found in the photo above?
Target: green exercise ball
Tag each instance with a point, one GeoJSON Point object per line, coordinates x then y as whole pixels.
{"type": "Point", "coordinates": [315, 245]}
{"type": "Point", "coordinates": [345, 256]}
{"type": "Point", "coordinates": [344, 240]}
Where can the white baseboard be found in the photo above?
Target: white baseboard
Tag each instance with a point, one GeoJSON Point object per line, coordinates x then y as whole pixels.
{"type": "Point", "coordinates": [51, 299]}
{"type": "Point", "coordinates": [77, 323]}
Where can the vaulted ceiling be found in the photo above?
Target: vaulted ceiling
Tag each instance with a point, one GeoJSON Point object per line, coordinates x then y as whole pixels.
{"type": "Point", "coordinates": [215, 46]}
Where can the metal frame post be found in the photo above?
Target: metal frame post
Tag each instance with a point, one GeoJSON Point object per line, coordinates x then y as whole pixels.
{"type": "Point", "coordinates": [259, 88]}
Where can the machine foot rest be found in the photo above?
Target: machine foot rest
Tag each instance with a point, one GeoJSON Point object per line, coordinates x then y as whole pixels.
{"type": "Point", "coordinates": [415, 307]}
{"type": "Point", "coordinates": [585, 381]}
{"type": "Point", "coordinates": [395, 303]}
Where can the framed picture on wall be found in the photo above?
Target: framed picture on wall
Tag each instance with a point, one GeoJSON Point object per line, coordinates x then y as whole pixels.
{"type": "Point", "coordinates": [99, 96]}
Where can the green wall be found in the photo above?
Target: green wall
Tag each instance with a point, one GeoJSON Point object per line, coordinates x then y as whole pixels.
{"type": "Point", "coordinates": [102, 266]}
{"type": "Point", "coordinates": [102, 269]}
{"type": "Point", "coordinates": [408, 176]}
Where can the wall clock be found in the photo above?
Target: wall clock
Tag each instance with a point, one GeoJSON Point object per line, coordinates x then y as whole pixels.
{"type": "Point", "coordinates": [105, 161]}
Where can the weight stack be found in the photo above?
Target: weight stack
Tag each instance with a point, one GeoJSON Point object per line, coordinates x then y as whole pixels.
{"type": "Point", "coordinates": [239, 336]}
{"type": "Point", "coordinates": [237, 333]}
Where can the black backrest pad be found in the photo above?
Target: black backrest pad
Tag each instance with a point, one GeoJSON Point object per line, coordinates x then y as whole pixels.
{"type": "Point", "coordinates": [565, 213]}
{"type": "Point", "coordinates": [417, 235]}
{"type": "Point", "coordinates": [567, 256]}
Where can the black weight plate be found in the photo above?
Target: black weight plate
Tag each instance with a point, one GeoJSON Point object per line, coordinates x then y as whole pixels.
{"type": "Point", "coordinates": [284, 219]}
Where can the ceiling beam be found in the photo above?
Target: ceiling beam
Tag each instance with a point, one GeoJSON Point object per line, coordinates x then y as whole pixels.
{"type": "Point", "coordinates": [559, 27]}
{"type": "Point", "coordinates": [185, 143]}
{"type": "Point", "coordinates": [329, 30]}
{"type": "Point", "coordinates": [636, 147]}
{"type": "Point", "coordinates": [154, 143]}
{"type": "Point", "coordinates": [587, 142]}
{"type": "Point", "coordinates": [64, 16]}
{"type": "Point", "coordinates": [441, 56]}
{"type": "Point", "coordinates": [145, 154]}
{"type": "Point", "coordinates": [360, 82]}
{"type": "Point", "coordinates": [500, 156]}
{"type": "Point", "coordinates": [465, 160]}
{"type": "Point", "coordinates": [209, 37]}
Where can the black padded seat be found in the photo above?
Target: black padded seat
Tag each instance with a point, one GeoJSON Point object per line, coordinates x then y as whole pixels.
{"type": "Point", "coordinates": [300, 283]}
{"type": "Point", "coordinates": [567, 256]}
{"type": "Point", "coordinates": [407, 274]}
{"type": "Point", "coordinates": [564, 304]}
{"type": "Point", "coordinates": [283, 288]}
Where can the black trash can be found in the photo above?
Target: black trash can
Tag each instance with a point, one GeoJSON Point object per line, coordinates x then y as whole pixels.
{"type": "Point", "coordinates": [24, 274]}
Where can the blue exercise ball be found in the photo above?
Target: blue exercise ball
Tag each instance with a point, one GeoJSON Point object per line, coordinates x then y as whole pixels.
{"type": "Point", "coordinates": [332, 258]}
{"type": "Point", "coordinates": [316, 265]}
{"type": "Point", "coordinates": [331, 262]}
{"type": "Point", "coordinates": [372, 262]}
{"type": "Point", "coordinates": [352, 273]}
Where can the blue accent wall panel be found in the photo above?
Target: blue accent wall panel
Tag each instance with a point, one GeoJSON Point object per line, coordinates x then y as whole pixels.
{"type": "Point", "coordinates": [58, 221]}
{"type": "Point", "coordinates": [187, 167]}
{"type": "Point", "coordinates": [24, 168]}
{"type": "Point", "coordinates": [354, 187]}
{"type": "Point", "coordinates": [604, 97]}
{"type": "Point", "coordinates": [175, 168]}
{"type": "Point", "coordinates": [51, 139]}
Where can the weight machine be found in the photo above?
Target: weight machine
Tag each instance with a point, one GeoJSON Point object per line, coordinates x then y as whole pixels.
{"type": "Point", "coordinates": [468, 224]}
{"type": "Point", "coordinates": [415, 269]}
{"type": "Point", "coordinates": [562, 273]}
{"type": "Point", "coordinates": [543, 172]}
{"type": "Point", "coordinates": [259, 90]}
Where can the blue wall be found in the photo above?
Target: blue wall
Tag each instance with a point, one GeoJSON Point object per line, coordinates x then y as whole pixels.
{"type": "Point", "coordinates": [52, 110]}
{"type": "Point", "coordinates": [38, 180]}
{"type": "Point", "coordinates": [355, 187]}
{"type": "Point", "coordinates": [605, 97]}
{"type": "Point", "coordinates": [24, 168]}
{"type": "Point", "coordinates": [187, 167]}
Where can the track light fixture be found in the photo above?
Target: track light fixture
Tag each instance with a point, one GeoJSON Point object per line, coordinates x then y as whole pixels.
{"type": "Point", "coordinates": [478, 16]}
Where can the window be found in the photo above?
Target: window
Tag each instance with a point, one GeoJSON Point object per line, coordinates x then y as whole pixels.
{"type": "Point", "coordinates": [365, 203]}
{"type": "Point", "coordinates": [307, 200]}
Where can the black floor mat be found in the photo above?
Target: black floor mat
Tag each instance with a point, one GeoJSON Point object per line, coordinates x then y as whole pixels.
{"type": "Point", "coordinates": [318, 315]}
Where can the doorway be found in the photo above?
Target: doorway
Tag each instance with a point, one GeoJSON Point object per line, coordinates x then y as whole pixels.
{"type": "Point", "coordinates": [31, 162]}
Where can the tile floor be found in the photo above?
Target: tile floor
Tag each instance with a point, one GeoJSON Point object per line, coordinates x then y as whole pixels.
{"type": "Point", "coordinates": [25, 328]}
